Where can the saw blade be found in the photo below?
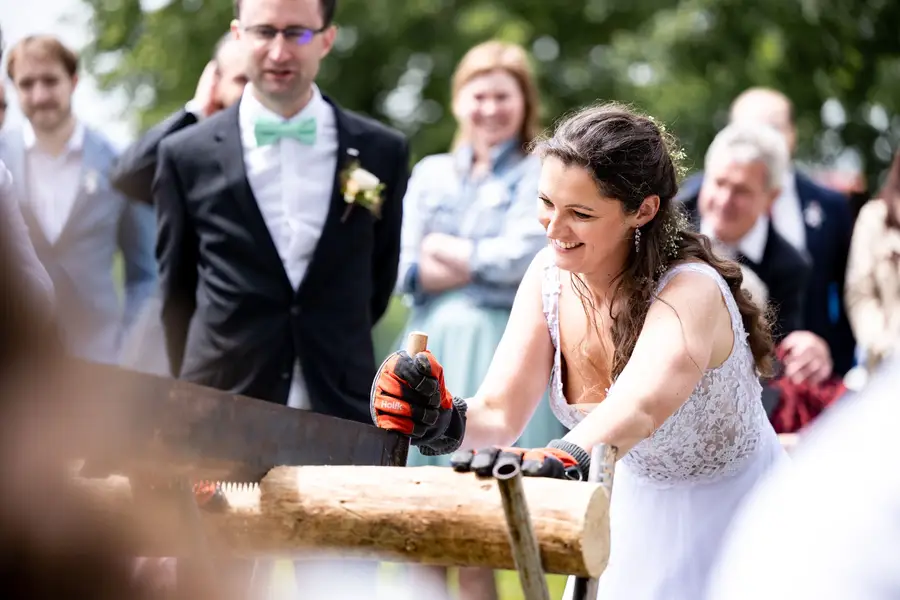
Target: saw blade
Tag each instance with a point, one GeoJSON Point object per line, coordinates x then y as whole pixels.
{"type": "Point", "coordinates": [158, 427]}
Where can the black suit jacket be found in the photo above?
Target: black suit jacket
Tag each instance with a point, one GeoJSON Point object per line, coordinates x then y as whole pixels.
{"type": "Point", "coordinates": [783, 269]}
{"type": "Point", "coordinates": [135, 168]}
{"type": "Point", "coordinates": [829, 225]}
{"type": "Point", "coordinates": [232, 319]}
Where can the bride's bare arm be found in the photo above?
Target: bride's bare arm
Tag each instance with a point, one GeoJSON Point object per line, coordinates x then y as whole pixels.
{"type": "Point", "coordinates": [674, 349]}
{"type": "Point", "coordinates": [518, 374]}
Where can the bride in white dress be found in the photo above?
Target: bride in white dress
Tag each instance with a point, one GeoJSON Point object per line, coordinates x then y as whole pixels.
{"type": "Point", "coordinates": [649, 345]}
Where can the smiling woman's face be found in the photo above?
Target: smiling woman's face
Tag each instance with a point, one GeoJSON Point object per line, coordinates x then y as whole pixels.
{"type": "Point", "coordinates": [490, 108]}
{"type": "Point", "coordinates": [587, 231]}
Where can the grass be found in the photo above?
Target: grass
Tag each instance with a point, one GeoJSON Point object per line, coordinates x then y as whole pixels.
{"type": "Point", "coordinates": [508, 587]}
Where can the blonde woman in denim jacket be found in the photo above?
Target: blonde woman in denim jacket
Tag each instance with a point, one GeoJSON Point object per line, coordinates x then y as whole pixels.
{"type": "Point", "coordinates": [470, 230]}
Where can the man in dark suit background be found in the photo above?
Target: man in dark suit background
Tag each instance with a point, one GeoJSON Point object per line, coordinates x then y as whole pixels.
{"type": "Point", "coordinates": [219, 87]}
{"type": "Point", "coordinates": [813, 219]}
{"type": "Point", "coordinates": [279, 227]}
{"type": "Point", "coordinates": [744, 174]}
{"type": "Point", "coordinates": [745, 167]}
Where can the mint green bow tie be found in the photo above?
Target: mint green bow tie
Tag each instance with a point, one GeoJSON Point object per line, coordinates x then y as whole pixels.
{"type": "Point", "coordinates": [268, 132]}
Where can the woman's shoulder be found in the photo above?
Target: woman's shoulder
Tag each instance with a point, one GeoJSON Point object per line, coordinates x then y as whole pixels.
{"type": "Point", "coordinates": [691, 277]}
{"type": "Point", "coordinates": [542, 271]}
{"type": "Point", "coordinates": [873, 211]}
{"type": "Point", "coordinates": [545, 259]}
{"type": "Point", "coordinates": [690, 266]}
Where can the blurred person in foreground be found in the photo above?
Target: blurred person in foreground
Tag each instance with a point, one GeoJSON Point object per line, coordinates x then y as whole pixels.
{"type": "Point", "coordinates": [469, 234]}
{"type": "Point", "coordinates": [826, 525]}
{"type": "Point", "coordinates": [873, 273]}
{"type": "Point", "coordinates": [220, 86]}
{"type": "Point", "coordinates": [77, 223]}
{"type": "Point", "coordinates": [54, 543]}
{"type": "Point", "coordinates": [648, 343]}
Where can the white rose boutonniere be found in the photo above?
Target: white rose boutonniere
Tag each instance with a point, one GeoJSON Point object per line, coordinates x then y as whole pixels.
{"type": "Point", "coordinates": [359, 186]}
{"type": "Point", "coordinates": [91, 181]}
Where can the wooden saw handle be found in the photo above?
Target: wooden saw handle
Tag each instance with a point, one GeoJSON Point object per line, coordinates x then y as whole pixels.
{"type": "Point", "coordinates": [416, 342]}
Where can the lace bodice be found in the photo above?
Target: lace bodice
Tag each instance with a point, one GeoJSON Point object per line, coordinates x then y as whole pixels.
{"type": "Point", "coordinates": [713, 432]}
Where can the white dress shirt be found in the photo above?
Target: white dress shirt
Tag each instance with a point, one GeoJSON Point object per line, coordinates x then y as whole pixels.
{"type": "Point", "coordinates": [293, 184]}
{"type": "Point", "coordinates": [53, 181]}
{"type": "Point", "coordinates": [752, 245]}
{"type": "Point", "coordinates": [787, 214]}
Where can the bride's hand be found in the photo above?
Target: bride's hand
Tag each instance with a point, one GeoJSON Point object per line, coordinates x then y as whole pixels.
{"type": "Point", "coordinates": [560, 460]}
{"type": "Point", "coordinates": [409, 397]}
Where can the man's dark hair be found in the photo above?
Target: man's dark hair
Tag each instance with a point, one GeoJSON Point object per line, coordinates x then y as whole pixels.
{"type": "Point", "coordinates": [328, 8]}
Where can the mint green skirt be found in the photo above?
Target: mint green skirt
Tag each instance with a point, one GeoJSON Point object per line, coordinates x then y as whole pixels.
{"type": "Point", "coordinates": [463, 337]}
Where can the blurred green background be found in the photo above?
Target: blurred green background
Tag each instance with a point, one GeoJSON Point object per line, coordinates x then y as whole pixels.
{"type": "Point", "coordinates": [681, 61]}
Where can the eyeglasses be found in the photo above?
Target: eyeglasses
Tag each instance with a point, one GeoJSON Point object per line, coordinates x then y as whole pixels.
{"type": "Point", "coordinates": [292, 35]}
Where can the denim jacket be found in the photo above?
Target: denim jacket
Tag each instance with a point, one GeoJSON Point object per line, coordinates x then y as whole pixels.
{"type": "Point", "coordinates": [497, 212]}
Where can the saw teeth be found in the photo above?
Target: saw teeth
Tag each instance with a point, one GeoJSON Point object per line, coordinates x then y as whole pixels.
{"type": "Point", "coordinates": [239, 494]}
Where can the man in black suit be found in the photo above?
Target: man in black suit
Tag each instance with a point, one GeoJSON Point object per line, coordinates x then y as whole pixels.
{"type": "Point", "coordinates": [813, 219]}
{"type": "Point", "coordinates": [745, 167]}
{"type": "Point", "coordinates": [219, 87]}
{"type": "Point", "coordinates": [279, 227]}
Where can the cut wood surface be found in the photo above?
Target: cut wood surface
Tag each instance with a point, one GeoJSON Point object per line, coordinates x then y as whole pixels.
{"type": "Point", "coordinates": [428, 515]}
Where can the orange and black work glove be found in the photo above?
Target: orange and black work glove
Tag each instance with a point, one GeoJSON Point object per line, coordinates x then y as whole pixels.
{"type": "Point", "coordinates": [559, 460]}
{"type": "Point", "coordinates": [209, 496]}
{"type": "Point", "coordinates": [409, 396]}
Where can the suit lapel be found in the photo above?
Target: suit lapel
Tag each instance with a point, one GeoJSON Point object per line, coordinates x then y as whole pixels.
{"type": "Point", "coordinates": [88, 184]}
{"type": "Point", "coordinates": [230, 155]}
{"type": "Point", "coordinates": [812, 214]}
{"type": "Point", "coordinates": [349, 143]}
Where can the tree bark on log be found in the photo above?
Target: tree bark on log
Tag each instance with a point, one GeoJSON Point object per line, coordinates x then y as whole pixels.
{"type": "Point", "coordinates": [427, 515]}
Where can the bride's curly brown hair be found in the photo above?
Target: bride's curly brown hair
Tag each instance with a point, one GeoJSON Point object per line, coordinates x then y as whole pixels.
{"type": "Point", "coordinates": [630, 157]}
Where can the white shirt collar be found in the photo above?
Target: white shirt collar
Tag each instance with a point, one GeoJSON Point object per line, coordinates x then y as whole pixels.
{"type": "Point", "coordinates": [788, 184]}
{"type": "Point", "coordinates": [753, 244]}
{"type": "Point", "coordinates": [74, 144]}
{"type": "Point", "coordinates": [251, 109]}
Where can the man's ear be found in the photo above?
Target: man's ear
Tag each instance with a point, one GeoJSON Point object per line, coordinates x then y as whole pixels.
{"type": "Point", "coordinates": [328, 37]}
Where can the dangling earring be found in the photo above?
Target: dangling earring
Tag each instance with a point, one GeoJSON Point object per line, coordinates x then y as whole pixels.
{"type": "Point", "coordinates": [637, 239]}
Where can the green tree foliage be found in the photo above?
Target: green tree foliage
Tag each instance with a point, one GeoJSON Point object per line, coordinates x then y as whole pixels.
{"type": "Point", "coordinates": [682, 62]}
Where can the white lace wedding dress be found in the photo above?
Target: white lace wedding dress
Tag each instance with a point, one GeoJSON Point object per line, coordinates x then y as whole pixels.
{"type": "Point", "coordinates": [674, 493]}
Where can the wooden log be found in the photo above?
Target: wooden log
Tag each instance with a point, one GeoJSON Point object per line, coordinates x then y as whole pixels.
{"type": "Point", "coordinates": [427, 515]}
